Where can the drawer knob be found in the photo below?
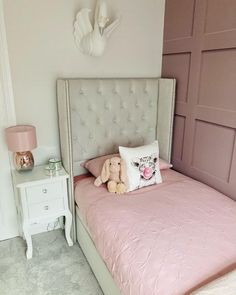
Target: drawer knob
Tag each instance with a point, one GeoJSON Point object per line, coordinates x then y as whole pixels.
{"type": "Point", "coordinates": [45, 190]}
{"type": "Point", "coordinates": [46, 207]}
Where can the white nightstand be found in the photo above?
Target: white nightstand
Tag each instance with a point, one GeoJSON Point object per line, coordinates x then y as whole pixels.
{"type": "Point", "coordinates": [40, 199]}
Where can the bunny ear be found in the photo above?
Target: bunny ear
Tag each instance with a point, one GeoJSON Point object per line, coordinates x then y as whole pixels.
{"type": "Point", "coordinates": [105, 171]}
{"type": "Point", "coordinates": [123, 175]}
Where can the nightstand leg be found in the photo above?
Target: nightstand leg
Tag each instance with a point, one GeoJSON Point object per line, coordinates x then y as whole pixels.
{"type": "Point", "coordinates": [29, 251]}
{"type": "Point", "coordinates": [68, 224]}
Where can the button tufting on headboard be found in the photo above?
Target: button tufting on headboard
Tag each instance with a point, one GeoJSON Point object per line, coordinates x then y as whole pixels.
{"type": "Point", "coordinates": [106, 113]}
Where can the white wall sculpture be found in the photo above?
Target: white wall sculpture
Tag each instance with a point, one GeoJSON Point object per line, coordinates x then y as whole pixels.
{"type": "Point", "coordinates": [91, 40]}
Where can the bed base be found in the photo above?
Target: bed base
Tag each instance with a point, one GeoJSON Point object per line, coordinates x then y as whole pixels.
{"type": "Point", "coordinates": [98, 266]}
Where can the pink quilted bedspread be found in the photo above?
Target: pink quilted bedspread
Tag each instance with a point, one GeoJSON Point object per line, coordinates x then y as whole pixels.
{"type": "Point", "coordinates": [165, 239]}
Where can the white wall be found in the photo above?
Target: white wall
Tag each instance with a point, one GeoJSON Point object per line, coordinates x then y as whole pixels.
{"type": "Point", "coordinates": [42, 48]}
{"type": "Point", "coordinates": [8, 218]}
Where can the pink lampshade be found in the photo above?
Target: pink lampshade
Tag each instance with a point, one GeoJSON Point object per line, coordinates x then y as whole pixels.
{"type": "Point", "coordinates": [21, 138]}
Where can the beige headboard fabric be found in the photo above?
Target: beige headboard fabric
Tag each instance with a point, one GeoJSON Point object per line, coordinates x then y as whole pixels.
{"type": "Point", "coordinates": [98, 115]}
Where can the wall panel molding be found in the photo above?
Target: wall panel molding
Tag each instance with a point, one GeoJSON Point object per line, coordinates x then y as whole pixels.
{"type": "Point", "coordinates": [179, 129]}
{"type": "Point", "coordinates": [204, 144]}
{"type": "Point", "coordinates": [177, 29]}
{"type": "Point", "coordinates": [220, 16]}
{"type": "Point", "coordinates": [220, 40]}
{"type": "Point", "coordinates": [179, 65]}
{"type": "Point", "coordinates": [208, 154]}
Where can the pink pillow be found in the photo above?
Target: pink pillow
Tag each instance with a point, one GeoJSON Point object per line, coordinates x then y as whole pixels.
{"type": "Point", "coordinates": [94, 166]}
{"type": "Point", "coordinates": [164, 165]}
{"type": "Point", "coordinates": [80, 177]}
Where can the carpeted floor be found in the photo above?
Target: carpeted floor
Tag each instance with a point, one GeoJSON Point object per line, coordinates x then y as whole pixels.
{"type": "Point", "coordinates": [55, 268]}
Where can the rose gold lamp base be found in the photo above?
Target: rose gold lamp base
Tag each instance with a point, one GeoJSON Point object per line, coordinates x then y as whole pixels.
{"type": "Point", "coordinates": [23, 161]}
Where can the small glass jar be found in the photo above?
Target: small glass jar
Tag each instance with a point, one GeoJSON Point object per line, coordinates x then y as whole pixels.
{"type": "Point", "coordinates": [49, 171]}
{"type": "Point", "coordinates": [54, 164]}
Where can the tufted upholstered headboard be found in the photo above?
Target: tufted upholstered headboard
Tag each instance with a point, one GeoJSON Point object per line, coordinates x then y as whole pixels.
{"type": "Point", "coordinates": [98, 115]}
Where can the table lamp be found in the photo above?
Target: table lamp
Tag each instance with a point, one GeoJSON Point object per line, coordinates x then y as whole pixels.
{"type": "Point", "coordinates": [21, 139]}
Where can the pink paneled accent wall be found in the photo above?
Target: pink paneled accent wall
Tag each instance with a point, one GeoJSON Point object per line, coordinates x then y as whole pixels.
{"type": "Point", "coordinates": [200, 52]}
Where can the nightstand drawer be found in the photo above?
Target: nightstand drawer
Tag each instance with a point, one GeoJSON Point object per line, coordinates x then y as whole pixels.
{"type": "Point", "coordinates": [46, 208]}
{"type": "Point", "coordinates": [44, 192]}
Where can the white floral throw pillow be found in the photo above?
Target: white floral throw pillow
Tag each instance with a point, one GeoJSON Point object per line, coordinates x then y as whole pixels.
{"type": "Point", "coordinates": [142, 164]}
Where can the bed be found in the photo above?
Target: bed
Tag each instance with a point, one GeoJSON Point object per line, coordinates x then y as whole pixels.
{"type": "Point", "coordinates": [184, 223]}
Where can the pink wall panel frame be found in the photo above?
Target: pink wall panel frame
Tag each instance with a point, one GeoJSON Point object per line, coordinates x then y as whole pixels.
{"type": "Point", "coordinates": [178, 65]}
{"type": "Point", "coordinates": [204, 144]}
{"type": "Point", "coordinates": [220, 66]}
{"type": "Point", "coordinates": [179, 127]}
{"type": "Point", "coordinates": [209, 154]}
{"type": "Point", "coordinates": [179, 27]}
{"type": "Point", "coordinates": [220, 16]}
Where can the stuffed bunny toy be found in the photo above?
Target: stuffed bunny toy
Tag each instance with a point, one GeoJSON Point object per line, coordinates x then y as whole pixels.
{"type": "Point", "coordinates": [114, 173]}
